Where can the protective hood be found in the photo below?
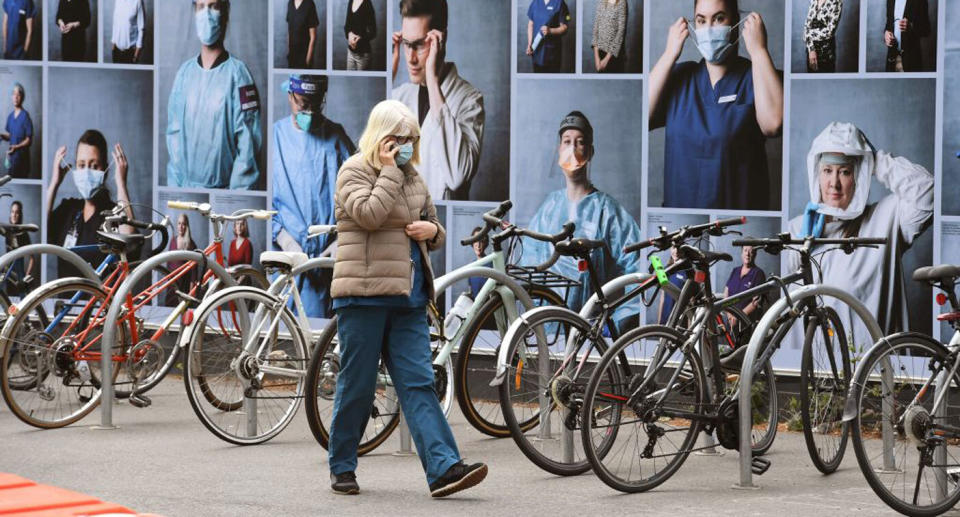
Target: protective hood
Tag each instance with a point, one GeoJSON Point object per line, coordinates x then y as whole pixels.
{"type": "Point", "coordinates": [846, 138]}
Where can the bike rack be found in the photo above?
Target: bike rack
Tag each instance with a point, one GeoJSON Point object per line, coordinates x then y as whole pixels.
{"type": "Point", "coordinates": [49, 249]}
{"type": "Point", "coordinates": [763, 327]}
{"type": "Point", "coordinates": [113, 314]}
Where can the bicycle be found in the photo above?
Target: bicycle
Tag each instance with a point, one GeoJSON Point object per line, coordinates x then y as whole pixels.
{"type": "Point", "coordinates": [678, 395]}
{"type": "Point", "coordinates": [906, 428]}
{"type": "Point", "coordinates": [476, 338]}
{"type": "Point", "coordinates": [68, 346]}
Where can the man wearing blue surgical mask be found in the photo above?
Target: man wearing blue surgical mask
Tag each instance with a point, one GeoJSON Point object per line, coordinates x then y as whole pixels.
{"type": "Point", "coordinates": [213, 117]}
{"type": "Point", "coordinates": [76, 220]}
{"type": "Point", "coordinates": [717, 112]}
{"type": "Point", "coordinates": [307, 153]}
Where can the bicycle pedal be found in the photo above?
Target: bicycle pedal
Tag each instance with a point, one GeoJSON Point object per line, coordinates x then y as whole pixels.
{"type": "Point", "coordinates": [187, 298]}
{"type": "Point", "coordinates": [760, 465]}
{"type": "Point", "coordinates": [140, 401]}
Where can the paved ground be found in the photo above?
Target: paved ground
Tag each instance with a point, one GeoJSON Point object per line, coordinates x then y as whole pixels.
{"type": "Point", "coordinates": [162, 460]}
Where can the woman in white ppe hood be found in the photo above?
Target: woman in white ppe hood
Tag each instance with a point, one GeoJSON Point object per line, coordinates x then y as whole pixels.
{"type": "Point", "coordinates": [841, 163]}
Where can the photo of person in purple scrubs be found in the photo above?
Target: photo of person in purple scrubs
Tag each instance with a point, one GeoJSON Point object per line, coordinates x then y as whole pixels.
{"type": "Point", "coordinates": [746, 276]}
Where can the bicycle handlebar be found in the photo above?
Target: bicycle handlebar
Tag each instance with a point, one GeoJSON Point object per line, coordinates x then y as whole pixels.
{"type": "Point", "coordinates": [491, 220]}
{"type": "Point", "coordinates": [667, 240]}
{"type": "Point", "coordinates": [5, 179]}
{"type": "Point", "coordinates": [317, 230]}
{"type": "Point", "coordinates": [787, 240]}
{"type": "Point", "coordinates": [205, 210]}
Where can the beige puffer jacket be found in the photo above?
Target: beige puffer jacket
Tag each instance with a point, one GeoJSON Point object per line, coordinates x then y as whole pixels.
{"type": "Point", "coordinates": [372, 209]}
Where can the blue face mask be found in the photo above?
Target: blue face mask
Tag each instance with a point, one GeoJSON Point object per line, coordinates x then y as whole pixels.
{"type": "Point", "coordinates": [406, 153]}
{"type": "Point", "coordinates": [88, 181]}
{"type": "Point", "coordinates": [208, 26]}
{"type": "Point", "coordinates": [304, 120]}
{"type": "Point", "coordinates": [714, 42]}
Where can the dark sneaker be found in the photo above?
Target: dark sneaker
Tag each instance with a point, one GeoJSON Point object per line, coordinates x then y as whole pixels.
{"type": "Point", "coordinates": [458, 477]}
{"type": "Point", "coordinates": [344, 484]}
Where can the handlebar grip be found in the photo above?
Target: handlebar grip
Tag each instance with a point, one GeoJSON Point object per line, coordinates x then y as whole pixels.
{"type": "Point", "coordinates": [637, 246]}
{"type": "Point", "coordinates": [263, 215]}
{"type": "Point", "coordinates": [733, 221]}
{"type": "Point", "coordinates": [549, 263]}
{"type": "Point", "coordinates": [504, 207]}
{"type": "Point", "coordinates": [183, 205]}
{"type": "Point", "coordinates": [755, 242]}
{"type": "Point", "coordinates": [568, 228]}
{"type": "Point", "coordinates": [5, 179]}
{"type": "Point", "coordinates": [320, 229]}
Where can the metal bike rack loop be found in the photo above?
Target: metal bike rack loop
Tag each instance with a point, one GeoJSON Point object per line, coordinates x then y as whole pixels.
{"type": "Point", "coordinates": [756, 340]}
{"type": "Point", "coordinates": [49, 249]}
{"type": "Point", "coordinates": [109, 337]}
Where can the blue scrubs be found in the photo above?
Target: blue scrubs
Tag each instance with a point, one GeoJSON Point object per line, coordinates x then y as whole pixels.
{"type": "Point", "coordinates": [714, 155]}
{"type": "Point", "coordinates": [304, 178]}
{"type": "Point", "coordinates": [20, 128]}
{"type": "Point", "coordinates": [676, 279]}
{"type": "Point", "coordinates": [18, 12]}
{"type": "Point", "coordinates": [213, 126]}
{"type": "Point", "coordinates": [599, 217]}
{"type": "Point", "coordinates": [551, 14]}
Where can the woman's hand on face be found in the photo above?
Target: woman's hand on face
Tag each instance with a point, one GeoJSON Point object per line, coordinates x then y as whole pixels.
{"type": "Point", "coordinates": [421, 230]}
{"type": "Point", "coordinates": [123, 166]}
{"type": "Point", "coordinates": [754, 34]}
{"type": "Point", "coordinates": [388, 152]}
{"type": "Point", "coordinates": [676, 37]}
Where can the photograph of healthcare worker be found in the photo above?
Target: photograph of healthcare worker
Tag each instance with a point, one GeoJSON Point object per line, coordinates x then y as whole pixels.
{"type": "Point", "coordinates": [362, 45]}
{"type": "Point", "coordinates": [75, 221]}
{"type": "Point", "coordinates": [547, 23]}
{"type": "Point", "coordinates": [182, 240]}
{"type": "Point", "coordinates": [19, 133]}
{"type": "Point", "coordinates": [308, 150]}
{"type": "Point", "coordinates": [21, 29]}
{"type": "Point", "coordinates": [841, 165]}
{"type": "Point", "coordinates": [129, 35]}
{"type": "Point", "coordinates": [241, 251]}
{"type": "Point", "coordinates": [25, 272]}
{"type": "Point", "coordinates": [826, 36]}
{"type": "Point", "coordinates": [902, 35]}
{"type": "Point", "coordinates": [717, 112]}
{"type": "Point", "coordinates": [213, 133]}
{"type": "Point", "coordinates": [382, 280]}
{"type": "Point", "coordinates": [449, 109]}
{"type": "Point", "coordinates": [659, 311]}
{"type": "Point", "coordinates": [597, 215]}
{"type": "Point", "coordinates": [303, 27]}
{"type": "Point", "coordinates": [614, 43]}
{"type": "Point", "coordinates": [73, 30]}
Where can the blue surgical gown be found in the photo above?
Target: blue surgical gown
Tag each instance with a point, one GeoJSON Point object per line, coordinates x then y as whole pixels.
{"type": "Point", "coordinates": [213, 127]}
{"type": "Point", "coordinates": [18, 12]}
{"type": "Point", "coordinates": [551, 14]}
{"type": "Point", "coordinates": [598, 217]}
{"type": "Point", "coordinates": [714, 154]}
{"type": "Point", "coordinates": [20, 128]}
{"type": "Point", "coordinates": [304, 178]}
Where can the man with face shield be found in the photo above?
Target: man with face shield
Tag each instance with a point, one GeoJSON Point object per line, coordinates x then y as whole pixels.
{"type": "Point", "coordinates": [308, 151]}
{"type": "Point", "coordinates": [449, 109]}
{"type": "Point", "coordinates": [598, 216]}
{"type": "Point", "coordinates": [841, 164]}
{"type": "Point", "coordinates": [75, 221]}
{"type": "Point", "coordinates": [213, 116]}
{"type": "Point", "coordinates": [717, 112]}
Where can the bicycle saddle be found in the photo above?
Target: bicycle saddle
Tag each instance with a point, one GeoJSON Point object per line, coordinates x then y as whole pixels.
{"type": "Point", "coordinates": [936, 273]}
{"type": "Point", "coordinates": [283, 259]}
{"type": "Point", "coordinates": [577, 247]}
{"type": "Point", "coordinates": [121, 242]}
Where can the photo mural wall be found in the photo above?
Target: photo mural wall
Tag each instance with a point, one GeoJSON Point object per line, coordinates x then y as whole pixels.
{"type": "Point", "coordinates": [834, 117]}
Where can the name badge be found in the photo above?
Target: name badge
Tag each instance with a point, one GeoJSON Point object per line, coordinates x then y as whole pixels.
{"type": "Point", "coordinates": [727, 98]}
{"type": "Point", "coordinates": [23, 12]}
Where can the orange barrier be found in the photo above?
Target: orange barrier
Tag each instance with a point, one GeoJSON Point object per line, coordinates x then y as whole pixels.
{"type": "Point", "coordinates": [24, 498]}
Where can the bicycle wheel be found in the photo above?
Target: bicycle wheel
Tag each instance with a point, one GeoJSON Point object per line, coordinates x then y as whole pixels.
{"type": "Point", "coordinates": [477, 362]}
{"type": "Point", "coordinates": [442, 372]}
{"type": "Point", "coordinates": [636, 446]}
{"type": "Point", "coordinates": [541, 394]}
{"type": "Point", "coordinates": [908, 451]}
{"type": "Point", "coordinates": [321, 389]}
{"type": "Point", "coordinates": [254, 360]}
{"type": "Point", "coordinates": [824, 379]}
{"type": "Point", "coordinates": [50, 376]}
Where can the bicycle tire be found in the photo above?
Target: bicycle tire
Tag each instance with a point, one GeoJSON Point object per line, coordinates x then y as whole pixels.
{"type": "Point", "coordinates": [488, 422]}
{"type": "Point", "coordinates": [692, 392]}
{"type": "Point", "coordinates": [42, 322]}
{"type": "Point", "coordinates": [58, 362]}
{"type": "Point", "coordinates": [826, 457]}
{"type": "Point", "coordinates": [920, 354]}
{"type": "Point", "coordinates": [243, 376]}
{"type": "Point", "coordinates": [321, 385]}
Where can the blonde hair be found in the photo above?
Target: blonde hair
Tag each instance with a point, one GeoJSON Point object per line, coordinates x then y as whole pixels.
{"type": "Point", "coordinates": [388, 118]}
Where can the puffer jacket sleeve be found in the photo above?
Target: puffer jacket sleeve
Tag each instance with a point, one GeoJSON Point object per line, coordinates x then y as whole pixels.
{"type": "Point", "coordinates": [437, 241]}
{"type": "Point", "coordinates": [368, 198]}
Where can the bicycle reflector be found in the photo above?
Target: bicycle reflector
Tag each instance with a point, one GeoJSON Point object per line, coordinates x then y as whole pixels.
{"type": "Point", "coordinates": [188, 318]}
{"type": "Point", "coordinates": [941, 299]}
{"type": "Point", "coordinates": [581, 265]}
{"type": "Point", "coordinates": [700, 276]}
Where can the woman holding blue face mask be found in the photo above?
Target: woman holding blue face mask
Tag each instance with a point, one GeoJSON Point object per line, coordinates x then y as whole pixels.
{"type": "Point", "coordinates": [76, 220]}
{"type": "Point", "coordinates": [717, 112]}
